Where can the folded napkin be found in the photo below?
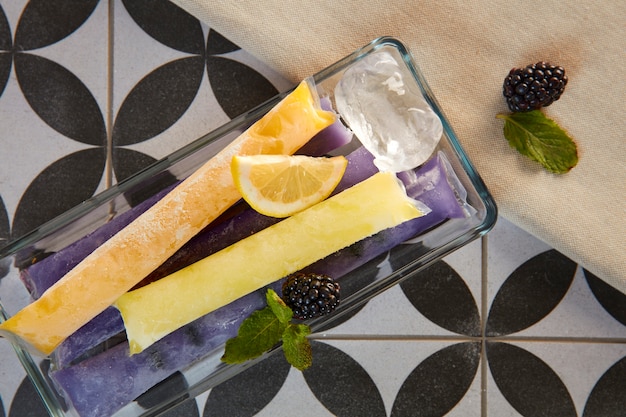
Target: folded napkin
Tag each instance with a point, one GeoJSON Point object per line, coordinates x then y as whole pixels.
{"type": "Point", "coordinates": [465, 49]}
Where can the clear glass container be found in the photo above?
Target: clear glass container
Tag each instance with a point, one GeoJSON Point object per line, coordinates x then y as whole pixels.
{"type": "Point", "coordinates": [365, 282]}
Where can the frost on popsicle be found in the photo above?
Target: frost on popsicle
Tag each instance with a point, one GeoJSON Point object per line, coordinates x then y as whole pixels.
{"type": "Point", "coordinates": [265, 257]}
{"type": "Point", "coordinates": [388, 115]}
{"type": "Point", "coordinates": [124, 260]}
{"type": "Point", "coordinates": [92, 382]}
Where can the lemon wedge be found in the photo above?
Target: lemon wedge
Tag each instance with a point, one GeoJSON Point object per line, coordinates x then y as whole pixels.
{"type": "Point", "coordinates": [283, 185]}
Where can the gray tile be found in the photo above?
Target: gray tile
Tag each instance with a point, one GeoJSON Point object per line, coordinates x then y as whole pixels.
{"type": "Point", "coordinates": [391, 313]}
{"type": "Point", "coordinates": [578, 316]}
{"type": "Point", "coordinates": [551, 378]}
{"type": "Point", "coordinates": [294, 395]}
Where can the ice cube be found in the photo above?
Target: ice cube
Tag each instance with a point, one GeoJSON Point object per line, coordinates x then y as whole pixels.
{"type": "Point", "coordinates": [388, 114]}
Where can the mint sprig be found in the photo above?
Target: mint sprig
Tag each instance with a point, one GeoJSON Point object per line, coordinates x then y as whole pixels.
{"type": "Point", "coordinates": [296, 346]}
{"type": "Point", "coordinates": [267, 327]}
{"type": "Point", "coordinates": [536, 136]}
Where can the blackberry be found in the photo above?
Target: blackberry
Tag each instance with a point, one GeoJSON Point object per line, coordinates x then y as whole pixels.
{"type": "Point", "coordinates": [310, 295]}
{"type": "Point", "coordinates": [534, 86]}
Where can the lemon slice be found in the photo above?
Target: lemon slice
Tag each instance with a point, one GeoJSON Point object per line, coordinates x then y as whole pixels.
{"type": "Point", "coordinates": [282, 185]}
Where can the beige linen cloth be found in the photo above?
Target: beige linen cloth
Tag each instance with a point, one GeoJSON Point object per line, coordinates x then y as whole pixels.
{"type": "Point", "coordinates": [465, 49]}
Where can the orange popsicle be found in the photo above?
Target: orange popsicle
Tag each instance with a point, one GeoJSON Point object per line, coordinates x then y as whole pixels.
{"type": "Point", "coordinates": [134, 252]}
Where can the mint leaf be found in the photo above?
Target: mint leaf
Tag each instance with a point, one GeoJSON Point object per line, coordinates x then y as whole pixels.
{"type": "Point", "coordinates": [297, 347]}
{"type": "Point", "coordinates": [278, 306]}
{"type": "Point", "coordinates": [541, 139]}
{"type": "Point", "coordinates": [257, 334]}
{"type": "Point", "coordinates": [267, 327]}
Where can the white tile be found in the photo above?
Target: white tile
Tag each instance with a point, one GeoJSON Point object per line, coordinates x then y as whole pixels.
{"type": "Point", "coordinates": [135, 55]}
{"type": "Point", "coordinates": [471, 404]}
{"type": "Point", "coordinates": [578, 365]}
{"type": "Point", "coordinates": [467, 262]}
{"type": "Point", "coordinates": [497, 405]}
{"type": "Point", "coordinates": [508, 247]}
{"type": "Point", "coordinates": [13, 10]}
{"type": "Point", "coordinates": [85, 53]}
{"type": "Point", "coordinates": [27, 147]}
{"type": "Point", "coordinates": [30, 145]}
{"type": "Point", "coordinates": [203, 116]}
{"type": "Point", "coordinates": [390, 362]}
{"type": "Point", "coordinates": [391, 313]}
{"type": "Point", "coordinates": [278, 80]}
{"type": "Point", "coordinates": [579, 315]}
{"type": "Point", "coordinates": [294, 395]}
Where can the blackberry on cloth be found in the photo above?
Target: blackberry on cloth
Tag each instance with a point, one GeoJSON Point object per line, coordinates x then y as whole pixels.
{"type": "Point", "coordinates": [310, 295]}
{"type": "Point", "coordinates": [534, 86]}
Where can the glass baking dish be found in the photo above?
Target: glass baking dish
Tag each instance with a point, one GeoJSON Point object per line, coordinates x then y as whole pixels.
{"type": "Point", "coordinates": [362, 283]}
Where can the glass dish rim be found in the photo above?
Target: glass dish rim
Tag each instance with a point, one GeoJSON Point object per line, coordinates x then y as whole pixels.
{"type": "Point", "coordinates": [48, 394]}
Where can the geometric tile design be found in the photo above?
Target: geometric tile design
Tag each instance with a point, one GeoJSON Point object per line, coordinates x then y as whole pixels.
{"type": "Point", "coordinates": [468, 370]}
{"type": "Point", "coordinates": [92, 91]}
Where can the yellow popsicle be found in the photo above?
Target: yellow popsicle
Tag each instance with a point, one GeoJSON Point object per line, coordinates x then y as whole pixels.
{"type": "Point", "coordinates": [134, 252]}
{"type": "Point", "coordinates": [157, 309]}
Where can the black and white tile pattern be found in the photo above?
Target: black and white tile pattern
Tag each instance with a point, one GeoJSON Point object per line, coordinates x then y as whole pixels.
{"type": "Point", "coordinates": [92, 91]}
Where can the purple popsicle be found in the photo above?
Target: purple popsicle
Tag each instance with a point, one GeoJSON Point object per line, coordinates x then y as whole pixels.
{"type": "Point", "coordinates": [40, 276]}
{"type": "Point", "coordinates": [93, 383]}
{"type": "Point", "coordinates": [103, 384]}
{"type": "Point", "coordinates": [431, 186]}
{"type": "Point", "coordinates": [210, 240]}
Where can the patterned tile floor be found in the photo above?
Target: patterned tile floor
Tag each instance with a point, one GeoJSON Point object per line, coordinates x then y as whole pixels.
{"type": "Point", "coordinates": [506, 326]}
